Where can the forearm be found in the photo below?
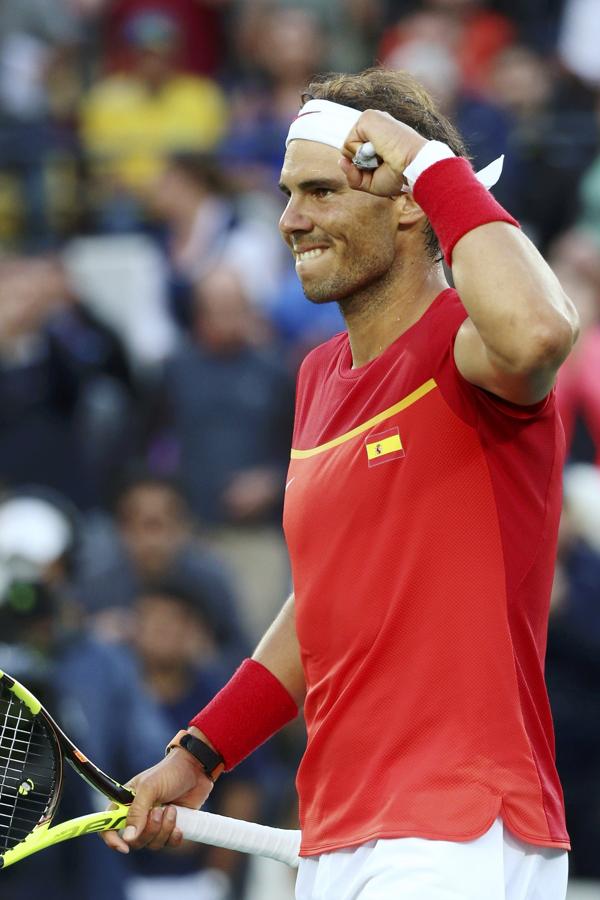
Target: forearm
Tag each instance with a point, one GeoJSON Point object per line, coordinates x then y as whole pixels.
{"type": "Point", "coordinates": [279, 652]}
{"type": "Point", "coordinates": [513, 298]}
{"type": "Point", "coordinates": [260, 698]}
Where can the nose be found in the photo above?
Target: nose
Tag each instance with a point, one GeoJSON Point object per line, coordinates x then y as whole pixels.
{"type": "Point", "coordinates": [294, 218]}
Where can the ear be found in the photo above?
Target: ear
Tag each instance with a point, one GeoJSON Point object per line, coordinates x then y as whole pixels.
{"type": "Point", "coordinates": [407, 210]}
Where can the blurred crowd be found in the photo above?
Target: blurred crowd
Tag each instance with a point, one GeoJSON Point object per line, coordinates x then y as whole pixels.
{"type": "Point", "coordinates": [151, 326]}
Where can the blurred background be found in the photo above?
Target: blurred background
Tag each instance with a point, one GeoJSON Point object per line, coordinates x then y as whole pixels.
{"type": "Point", "coordinates": [151, 326]}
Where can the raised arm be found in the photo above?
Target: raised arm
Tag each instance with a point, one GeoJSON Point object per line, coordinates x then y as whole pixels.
{"type": "Point", "coordinates": [260, 698]}
{"type": "Point", "coordinates": [521, 325]}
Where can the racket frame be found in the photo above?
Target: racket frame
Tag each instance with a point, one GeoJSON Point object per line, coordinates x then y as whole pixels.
{"type": "Point", "coordinates": [42, 835]}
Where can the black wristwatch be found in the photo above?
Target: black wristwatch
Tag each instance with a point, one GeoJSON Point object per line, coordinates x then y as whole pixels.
{"type": "Point", "coordinates": [211, 761]}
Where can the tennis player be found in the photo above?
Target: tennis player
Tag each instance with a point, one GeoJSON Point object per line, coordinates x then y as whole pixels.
{"type": "Point", "coordinates": [421, 515]}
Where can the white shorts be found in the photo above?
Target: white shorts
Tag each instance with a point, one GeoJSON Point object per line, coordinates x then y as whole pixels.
{"type": "Point", "coordinates": [496, 866]}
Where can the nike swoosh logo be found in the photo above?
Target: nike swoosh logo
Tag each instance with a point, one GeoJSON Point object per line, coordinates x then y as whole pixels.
{"type": "Point", "coordinates": [309, 112]}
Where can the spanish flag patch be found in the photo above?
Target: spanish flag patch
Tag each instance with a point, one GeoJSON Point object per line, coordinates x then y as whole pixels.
{"type": "Point", "coordinates": [384, 447]}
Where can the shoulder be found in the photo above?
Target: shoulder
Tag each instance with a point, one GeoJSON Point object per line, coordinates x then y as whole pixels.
{"type": "Point", "coordinates": [317, 369]}
{"type": "Point", "coordinates": [432, 338]}
{"type": "Point", "coordinates": [447, 314]}
{"type": "Point", "coordinates": [321, 357]}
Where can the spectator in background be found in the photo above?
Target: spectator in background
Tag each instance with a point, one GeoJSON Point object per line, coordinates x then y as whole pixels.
{"type": "Point", "coordinates": [157, 539]}
{"type": "Point", "coordinates": [207, 224]}
{"type": "Point", "coordinates": [473, 33]}
{"type": "Point", "coordinates": [230, 404]}
{"type": "Point", "coordinates": [298, 325]}
{"type": "Point", "coordinates": [580, 541]}
{"type": "Point", "coordinates": [63, 376]}
{"type": "Point", "coordinates": [589, 189]}
{"type": "Point", "coordinates": [174, 645]}
{"type": "Point", "coordinates": [552, 140]}
{"type": "Point", "coordinates": [536, 21]}
{"type": "Point", "coordinates": [575, 258]}
{"type": "Point", "coordinates": [95, 694]}
{"type": "Point", "coordinates": [573, 666]}
{"type": "Point", "coordinates": [201, 24]}
{"type": "Point", "coordinates": [279, 49]}
{"type": "Point", "coordinates": [350, 28]}
{"type": "Point", "coordinates": [36, 36]}
{"type": "Point", "coordinates": [578, 42]}
{"type": "Point", "coordinates": [132, 120]}
{"type": "Point", "coordinates": [579, 39]}
{"type": "Point", "coordinates": [40, 532]}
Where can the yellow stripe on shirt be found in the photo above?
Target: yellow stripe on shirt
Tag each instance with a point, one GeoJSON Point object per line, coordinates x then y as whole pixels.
{"type": "Point", "coordinates": [370, 423]}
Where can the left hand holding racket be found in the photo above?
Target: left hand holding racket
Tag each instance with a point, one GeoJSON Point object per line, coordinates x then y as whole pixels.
{"type": "Point", "coordinates": [151, 822]}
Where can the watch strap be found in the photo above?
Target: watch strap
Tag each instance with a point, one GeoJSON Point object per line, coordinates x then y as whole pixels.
{"type": "Point", "coordinates": [211, 761]}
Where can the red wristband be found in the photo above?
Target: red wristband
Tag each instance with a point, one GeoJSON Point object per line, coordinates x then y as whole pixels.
{"type": "Point", "coordinates": [251, 707]}
{"type": "Point", "coordinates": [455, 202]}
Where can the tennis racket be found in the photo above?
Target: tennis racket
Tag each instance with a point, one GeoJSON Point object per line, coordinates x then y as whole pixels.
{"type": "Point", "coordinates": [32, 753]}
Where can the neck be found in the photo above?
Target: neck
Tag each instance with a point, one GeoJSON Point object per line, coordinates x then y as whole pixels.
{"type": "Point", "coordinates": [380, 313]}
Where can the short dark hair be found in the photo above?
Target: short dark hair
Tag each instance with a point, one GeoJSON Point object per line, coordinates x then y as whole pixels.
{"type": "Point", "coordinates": [399, 94]}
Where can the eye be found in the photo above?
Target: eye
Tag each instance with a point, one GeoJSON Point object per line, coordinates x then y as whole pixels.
{"type": "Point", "coordinates": [322, 192]}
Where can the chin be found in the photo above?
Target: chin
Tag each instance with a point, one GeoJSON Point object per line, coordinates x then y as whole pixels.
{"type": "Point", "coordinates": [319, 300]}
{"type": "Point", "coordinates": [324, 293]}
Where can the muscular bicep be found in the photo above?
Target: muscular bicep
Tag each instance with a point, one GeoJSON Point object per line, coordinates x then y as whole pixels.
{"type": "Point", "coordinates": [478, 365]}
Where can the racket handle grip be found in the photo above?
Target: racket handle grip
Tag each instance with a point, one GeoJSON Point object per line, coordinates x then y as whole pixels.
{"type": "Point", "coordinates": [281, 844]}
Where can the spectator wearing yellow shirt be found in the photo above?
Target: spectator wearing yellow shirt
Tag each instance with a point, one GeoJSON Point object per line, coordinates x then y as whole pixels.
{"type": "Point", "coordinates": [131, 120]}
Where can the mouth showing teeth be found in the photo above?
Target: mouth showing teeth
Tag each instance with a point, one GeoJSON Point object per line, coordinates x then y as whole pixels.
{"type": "Point", "coordinates": [309, 254]}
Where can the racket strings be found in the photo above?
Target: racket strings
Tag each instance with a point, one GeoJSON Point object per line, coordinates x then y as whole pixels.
{"type": "Point", "coordinates": [29, 771]}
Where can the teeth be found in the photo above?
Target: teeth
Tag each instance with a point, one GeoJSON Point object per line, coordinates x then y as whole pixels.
{"type": "Point", "coordinates": [309, 254]}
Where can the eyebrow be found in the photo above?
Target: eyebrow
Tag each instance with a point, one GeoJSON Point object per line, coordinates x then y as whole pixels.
{"type": "Point", "coordinates": [313, 184]}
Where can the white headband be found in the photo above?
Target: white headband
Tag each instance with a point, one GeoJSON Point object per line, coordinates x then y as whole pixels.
{"type": "Point", "coordinates": [330, 123]}
{"type": "Point", "coordinates": [324, 122]}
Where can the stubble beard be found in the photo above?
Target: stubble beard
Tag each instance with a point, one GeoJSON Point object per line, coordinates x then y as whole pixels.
{"type": "Point", "coordinates": [346, 288]}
